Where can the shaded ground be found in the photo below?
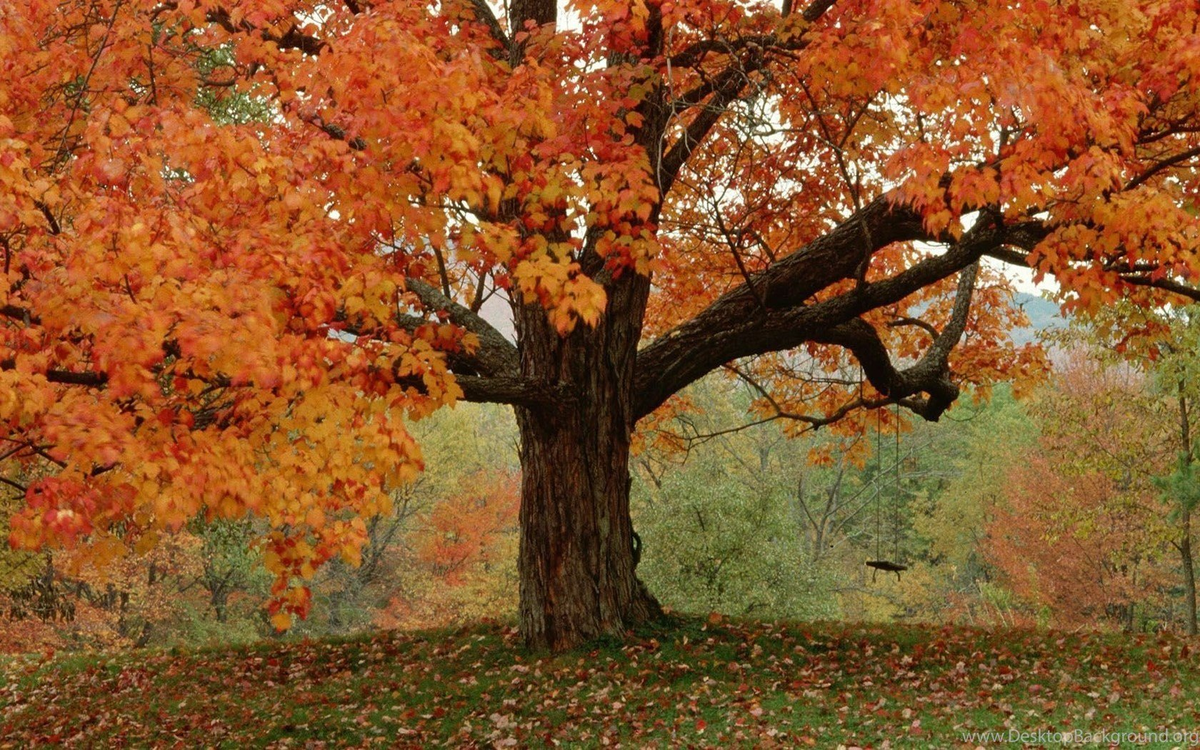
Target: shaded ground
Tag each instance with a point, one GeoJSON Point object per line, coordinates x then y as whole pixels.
{"type": "Point", "coordinates": [693, 684]}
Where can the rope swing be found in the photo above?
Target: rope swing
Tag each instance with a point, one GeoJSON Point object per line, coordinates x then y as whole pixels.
{"type": "Point", "coordinates": [879, 563]}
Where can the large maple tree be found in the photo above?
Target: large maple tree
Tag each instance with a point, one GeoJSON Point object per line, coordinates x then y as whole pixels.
{"type": "Point", "coordinates": [240, 238]}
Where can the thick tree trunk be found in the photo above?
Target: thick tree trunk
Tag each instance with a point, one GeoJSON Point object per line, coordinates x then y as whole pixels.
{"type": "Point", "coordinates": [576, 560]}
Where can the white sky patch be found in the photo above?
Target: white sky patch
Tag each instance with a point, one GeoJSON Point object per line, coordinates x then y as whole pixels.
{"type": "Point", "coordinates": [1022, 278]}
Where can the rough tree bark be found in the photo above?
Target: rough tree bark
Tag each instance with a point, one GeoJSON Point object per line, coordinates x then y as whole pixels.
{"type": "Point", "coordinates": [576, 560]}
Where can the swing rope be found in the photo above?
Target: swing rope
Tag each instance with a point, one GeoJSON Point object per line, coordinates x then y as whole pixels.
{"type": "Point", "coordinates": [894, 565]}
{"type": "Point", "coordinates": [896, 494]}
{"type": "Point", "coordinates": [878, 487]}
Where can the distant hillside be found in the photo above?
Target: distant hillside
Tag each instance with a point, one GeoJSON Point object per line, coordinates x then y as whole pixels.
{"type": "Point", "coordinates": [1043, 316]}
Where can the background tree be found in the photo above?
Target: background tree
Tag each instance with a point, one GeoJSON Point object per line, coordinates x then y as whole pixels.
{"type": "Point", "coordinates": [205, 584]}
{"type": "Point", "coordinates": [713, 545]}
{"type": "Point", "coordinates": [1179, 375]}
{"type": "Point", "coordinates": [975, 455]}
{"type": "Point", "coordinates": [213, 317]}
{"type": "Point", "coordinates": [467, 548]}
{"type": "Point", "coordinates": [726, 503]}
{"type": "Point", "coordinates": [719, 524]}
{"type": "Point", "coordinates": [1162, 344]}
{"type": "Point", "coordinates": [1081, 531]}
{"type": "Point", "coordinates": [228, 560]}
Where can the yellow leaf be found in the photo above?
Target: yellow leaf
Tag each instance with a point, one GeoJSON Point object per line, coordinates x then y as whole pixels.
{"type": "Point", "coordinates": [146, 543]}
{"type": "Point", "coordinates": [315, 518]}
{"type": "Point", "coordinates": [272, 562]}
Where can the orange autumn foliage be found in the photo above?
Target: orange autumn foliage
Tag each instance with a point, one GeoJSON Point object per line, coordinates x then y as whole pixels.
{"type": "Point", "coordinates": [464, 557]}
{"type": "Point", "coordinates": [462, 531]}
{"type": "Point", "coordinates": [1082, 530]}
{"type": "Point", "coordinates": [1079, 546]}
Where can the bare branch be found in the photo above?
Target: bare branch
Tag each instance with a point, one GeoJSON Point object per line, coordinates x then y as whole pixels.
{"type": "Point", "coordinates": [750, 55]}
{"type": "Point", "coordinates": [726, 89]}
{"type": "Point", "coordinates": [1163, 165]}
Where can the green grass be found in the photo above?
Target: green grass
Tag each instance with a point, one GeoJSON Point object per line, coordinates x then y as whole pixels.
{"type": "Point", "coordinates": [690, 684]}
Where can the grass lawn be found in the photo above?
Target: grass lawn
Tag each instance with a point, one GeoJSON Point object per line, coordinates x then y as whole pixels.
{"type": "Point", "coordinates": [690, 684]}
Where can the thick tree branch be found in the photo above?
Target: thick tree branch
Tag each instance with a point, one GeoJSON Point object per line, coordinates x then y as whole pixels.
{"type": "Point", "coordinates": [816, 9]}
{"type": "Point", "coordinates": [511, 390]}
{"type": "Point", "coordinates": [489, 374]}
{"type": "Point", "coordinates": [522, 13]}
{"type": "Point", "coordinates": [957, 325]}
{"type": "Point", "coordinates": [931, 374]}
{"type": "Point", "coordinates": [540, 12]}
{"type": "Point", "coordinates": [496, 355]}
{"type": "Point", "coordinates": [734, 326]}
{"type": "Point", "coordinates": [65, 377]}
{"type": "Point", "coordinates": [483, 14]}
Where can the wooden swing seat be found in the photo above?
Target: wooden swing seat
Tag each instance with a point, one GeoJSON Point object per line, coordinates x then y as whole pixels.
{"type": "Point", "coordinates": [887, 566]}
